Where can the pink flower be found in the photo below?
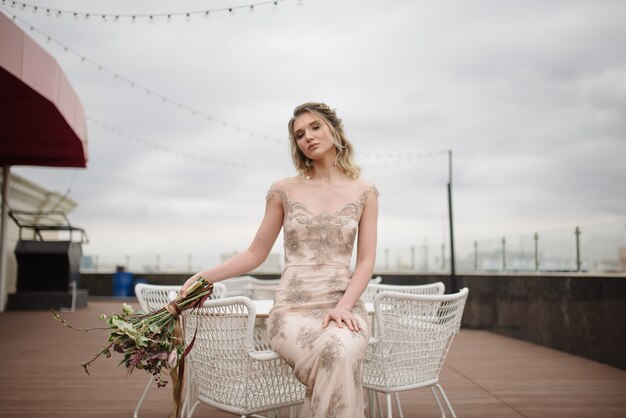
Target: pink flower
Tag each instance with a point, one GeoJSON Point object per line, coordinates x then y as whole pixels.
{"type": "Point", "coordinates": [171, 360]}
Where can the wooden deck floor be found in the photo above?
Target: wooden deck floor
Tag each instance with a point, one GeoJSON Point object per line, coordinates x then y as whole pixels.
{"type": "Point", "coordinates": [486, 375]}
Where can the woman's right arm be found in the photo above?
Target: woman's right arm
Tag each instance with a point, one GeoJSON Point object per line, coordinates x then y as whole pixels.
{"type": "Point", "coordinates": [254, 255]}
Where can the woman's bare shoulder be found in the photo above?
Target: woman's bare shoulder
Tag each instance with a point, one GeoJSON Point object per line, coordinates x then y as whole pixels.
{"type": "Point", "coordinates": [366, 186]}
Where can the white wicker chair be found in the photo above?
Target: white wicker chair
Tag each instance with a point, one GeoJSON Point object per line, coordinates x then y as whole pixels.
{"type": "Point", "coordinates": [263, 289]}
{"type": "Point", "coordinates": [238, 286]}
{"type": "Point", "coordinates": [152, 297]}
{"type": "Point", "coordinates": [227, 371]}
{"type": "Point", "coordinates": [414, 335]}
{"type": "Point", "coordinates": [373, 289]}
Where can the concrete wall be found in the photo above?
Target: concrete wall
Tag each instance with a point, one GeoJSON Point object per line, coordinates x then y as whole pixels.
{"type": "Point", "coordinates": [579, 314]}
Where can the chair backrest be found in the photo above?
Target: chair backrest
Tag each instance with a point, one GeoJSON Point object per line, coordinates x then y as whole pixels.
{"type": "Point", "coordinates": [223, 330]}
{"type": "Point", "coordinates": [376, 280]}
{"type": "Point", "coordinates": [152, 297]}
{"type": "Point", "coordinates": [373, 289]}
{"type": "Point", "coordinates": [238, 286]}
{"type": "Point", "coordinates": [264, 289]}
{"type": "Point", "coordinates": [414, 333]}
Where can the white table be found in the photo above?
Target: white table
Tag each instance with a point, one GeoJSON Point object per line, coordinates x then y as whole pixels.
{"type": "Point", "coordinates": [263, 307]}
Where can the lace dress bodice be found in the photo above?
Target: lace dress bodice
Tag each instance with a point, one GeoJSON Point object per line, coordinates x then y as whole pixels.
{"type": "Point", "coordinates": [321, 231]}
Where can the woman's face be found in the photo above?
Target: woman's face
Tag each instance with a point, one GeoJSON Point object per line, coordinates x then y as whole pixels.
{"type": "Point", "coordinates": [313, 136]}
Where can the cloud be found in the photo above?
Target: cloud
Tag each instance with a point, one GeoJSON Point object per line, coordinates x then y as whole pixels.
{"type": "Point", "coordinates": [529, 96]}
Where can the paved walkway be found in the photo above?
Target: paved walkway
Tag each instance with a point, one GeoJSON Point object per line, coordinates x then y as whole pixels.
{"type": "Point", "coordinates": [486, 375]}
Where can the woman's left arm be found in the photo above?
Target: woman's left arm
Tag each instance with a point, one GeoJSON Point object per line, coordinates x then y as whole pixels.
{"type": "Point", "coordinates": [365, 258]}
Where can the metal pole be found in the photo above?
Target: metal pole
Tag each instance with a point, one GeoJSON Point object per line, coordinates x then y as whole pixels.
{"type": "Point", "coordinates": [6, 174]}
{"type": "Point", "coordinates": [475, 256]}
{"type": "Point", "coordinates": [578, 262]}
{"type": "Point", "coordinates": [412, 257]}
{"type": "Point", "coordinates": [443, 257]}
{"type": "Point", "coordinates": [387, 259]}
{"type": "Point", "coordinates": [536, 251]}
{"type": "Point", "coordinates": [453, 281]}
{"type": "Point", "coordinates": [503, 254]}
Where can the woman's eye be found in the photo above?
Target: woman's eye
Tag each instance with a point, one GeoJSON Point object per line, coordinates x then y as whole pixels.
{"type": "Point", "coordinates": [299, 135]}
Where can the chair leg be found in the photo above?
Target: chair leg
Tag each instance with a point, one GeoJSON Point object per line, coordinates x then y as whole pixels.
{"type": "Point", "coordinates": [388, 405]}
{"type": "Point", "coordinates": [192, 410]}
{"type": "Point", "coordinates": [143, 396]}
{"type": "Point", "coordinates": [399, 406]}
{"type": "Point", "coordinates": [443, 413]}
{"type": "Point", "coordinates": [445, 398]}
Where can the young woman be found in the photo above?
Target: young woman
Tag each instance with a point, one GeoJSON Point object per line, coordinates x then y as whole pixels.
{"type": "Point", "coordinates": [318, 324]}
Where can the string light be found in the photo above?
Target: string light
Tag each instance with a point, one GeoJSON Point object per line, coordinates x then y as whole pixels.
{"type": "Point", "coordinates": [133, 17]}
{"type": "Point", "coordinates": [394, 160]}
{"type": "Point", "coordinates": [171, 151]}
{"type": "Point", "coordinates": [149, 92]}
{"type": "Point", "coordinates": [391, 160]}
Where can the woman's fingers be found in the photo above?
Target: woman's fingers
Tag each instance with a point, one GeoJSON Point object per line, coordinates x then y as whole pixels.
{"type": "Point", "coordinates": [351, 322]}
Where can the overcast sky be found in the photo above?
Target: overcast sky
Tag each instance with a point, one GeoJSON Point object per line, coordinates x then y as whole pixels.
{"type": "Point", "coordinates": [529, 95]}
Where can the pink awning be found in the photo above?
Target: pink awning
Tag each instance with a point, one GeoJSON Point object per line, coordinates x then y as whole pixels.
{"type": "Point", "coordinates": [42, 121]}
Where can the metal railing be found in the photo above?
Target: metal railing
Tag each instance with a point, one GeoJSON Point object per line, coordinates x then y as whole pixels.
{"type": "Point", "coordinates": [594, 248]}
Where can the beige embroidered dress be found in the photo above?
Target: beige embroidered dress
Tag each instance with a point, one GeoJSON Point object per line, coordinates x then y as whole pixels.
{"type": "Point", "coordinates": [320, 225]}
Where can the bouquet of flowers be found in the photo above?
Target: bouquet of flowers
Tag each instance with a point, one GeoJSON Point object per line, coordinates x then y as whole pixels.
{"type": "Point", "coordinates": [150, 341]}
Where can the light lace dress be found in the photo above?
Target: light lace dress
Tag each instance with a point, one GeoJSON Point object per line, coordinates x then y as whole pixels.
{"type": "Point", "coordinates": [320, 226]}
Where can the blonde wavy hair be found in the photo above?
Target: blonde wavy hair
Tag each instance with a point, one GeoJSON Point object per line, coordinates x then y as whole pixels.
{"type": "Point", "coordinates": [345, 152]}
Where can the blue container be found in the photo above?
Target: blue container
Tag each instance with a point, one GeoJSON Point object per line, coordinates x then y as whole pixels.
{"type": "Point", "coordinates": [123, 284]}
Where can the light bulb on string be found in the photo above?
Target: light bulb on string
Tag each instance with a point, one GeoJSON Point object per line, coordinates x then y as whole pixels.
{"type": "Point", "coordinates": [116, 18]}
{"type": "Point", "coordinates": [251, 8]}
{"type": "Point", "coordinates": [169, 18]}
{"type": "Point", "coordinates": [133, 19]}
{"type": "Point", "coordinates": [151, 19]}
{"type": "Point", "coordinates": [47, 12]}
{"type": "Point", "coordinates": [188, 17]}
{"type": "Point", "coordinates": [206, 14]}
{"type": "Point", "coordinates": [86, 16]}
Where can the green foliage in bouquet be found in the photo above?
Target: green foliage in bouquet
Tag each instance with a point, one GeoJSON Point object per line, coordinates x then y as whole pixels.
{"type": "Point", "coordinates": [149, 341]}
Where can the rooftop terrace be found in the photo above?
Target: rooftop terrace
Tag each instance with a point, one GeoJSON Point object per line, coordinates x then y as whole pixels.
{"type": "Point", "coordinates": [486, 375]}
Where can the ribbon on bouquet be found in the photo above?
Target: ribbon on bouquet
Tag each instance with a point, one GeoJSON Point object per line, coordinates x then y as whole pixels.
{"type": "Point", "coordinates": [177, 373]}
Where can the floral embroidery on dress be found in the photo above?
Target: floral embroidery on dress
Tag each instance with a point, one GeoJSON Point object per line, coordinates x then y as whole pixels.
{"type": "Point", "coordinates": [333, 347]}
{"type": "Point", "coordinates": [317, 313]}
{"type": "Point", "coordinates": [276, 328]}
{"type": "Point", "coordinates": [336, 282]}
{"type": "Point", "coordinates": [324, 235]}
{"type": "Point", "coordinates": [315, 405]}
{"type": "Point", "coordinates": [357, 372]}
{"type": "Point", "coordinates": [307, 336]}
{"type": "Point", "coordinates": [296, 295]}
{"type": "Point", "coordinates": [336, 404]}
{"type": "Point", "coordinates": [292, 243]}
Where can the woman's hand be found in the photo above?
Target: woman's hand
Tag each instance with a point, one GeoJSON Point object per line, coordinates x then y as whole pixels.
{"type": "Point", "coordinates": [340, 315]}
{"type": "Point", "coordinates": [188, 283]}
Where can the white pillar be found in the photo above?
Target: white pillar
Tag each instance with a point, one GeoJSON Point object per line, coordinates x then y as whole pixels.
{"type": "Point", "coordinates": [6, 175]}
